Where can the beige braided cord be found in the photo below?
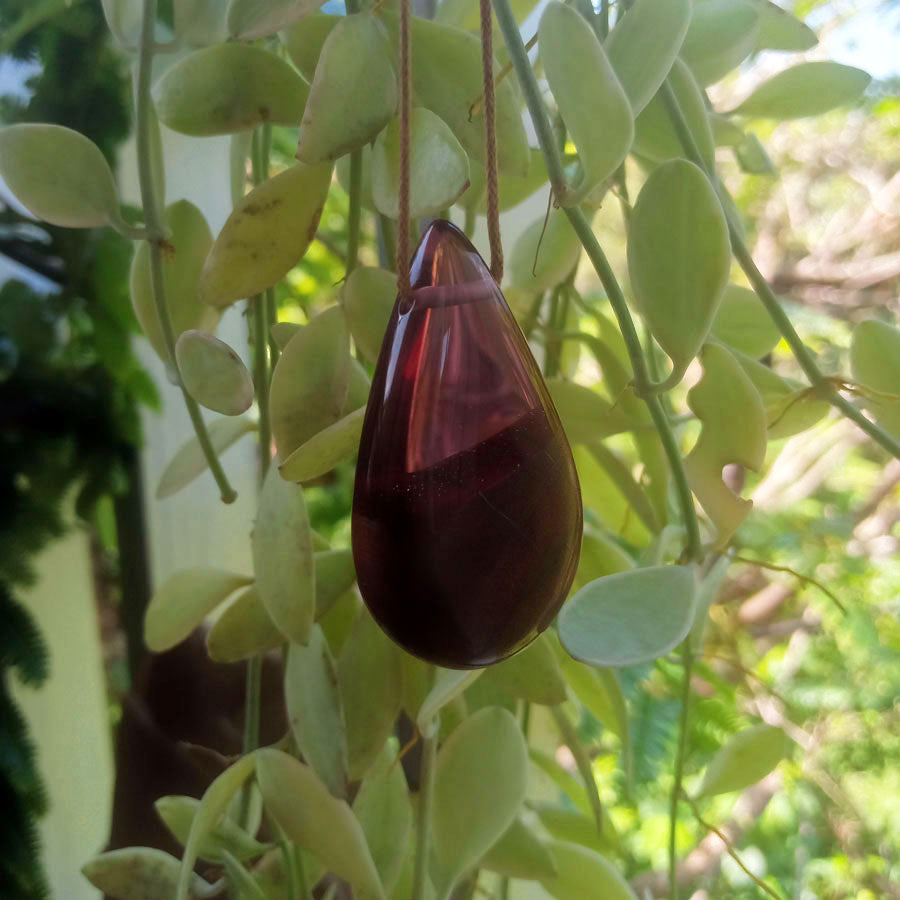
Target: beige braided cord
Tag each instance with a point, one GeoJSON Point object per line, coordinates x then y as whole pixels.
{"type": "Point", "coordinates": [490, 141]}
{"type": "Point", "coordinates": [402, 258]}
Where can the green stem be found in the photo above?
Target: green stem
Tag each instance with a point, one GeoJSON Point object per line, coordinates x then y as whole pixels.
{"type": "Point", "coordinates": [271, 319]}
{"type": "Point", "coordinates": [355, 209]}
{"type": "Point", "coordinates": [155, 229]}
{"type": "Point", "coordinates": [765, 293]}
{"type": "Point", "coordinates": [688, 657]}
{"type": "Point", "coordinates": [582, 761]}
{"type": "Point", "coordinates": [546, 137]}
{"type": "Point", "coordinates": [261, 380]}
{"type": "Point", "coordinates": [423, 825]}
{"type": "Point", "coordinates": [388, 240]}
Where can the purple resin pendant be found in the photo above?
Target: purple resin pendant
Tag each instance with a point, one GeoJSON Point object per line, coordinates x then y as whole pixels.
{"type": "Point", "coordinates": [467, 511]}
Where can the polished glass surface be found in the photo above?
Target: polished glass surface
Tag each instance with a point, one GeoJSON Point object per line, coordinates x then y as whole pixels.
{"type": "Point", "coordinates": [467, 511]}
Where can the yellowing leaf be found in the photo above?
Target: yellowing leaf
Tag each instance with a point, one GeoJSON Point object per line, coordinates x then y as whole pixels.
{"type": "Point", "coordinates": [266, 234]}
{"type": "Point", "coordinates": [228, 88]}
{"type": "Point", "coordinates": [183, 601]}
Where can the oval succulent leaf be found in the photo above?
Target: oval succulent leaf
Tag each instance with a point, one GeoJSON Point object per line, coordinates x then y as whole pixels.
{"type": "Point", "coordinates": [532, 674]}
{"type": "Point", "coordinates": [538, 263]}
{"type": "Point", "coordinates": [520, 853]}
{"type": "Point", "coordinates": [370, 677]}
{"type": "Point", "coordinates": [584, 874]}
{"type": "Point", "coordinates": [734, 431]}
{"type": "Point", "coordinates": [752, 156]}
{"type": "Point", "coordinates": [679, 258]}
{"type": "Point", "coordinates": [629, 618]}
{"type": "Point", "coordinates": [228, 88]}
{"type": "Point", "coordinates": [600, 555]}
{"type": "Point", "coordinates": [644, 44]}
{"type": "Point", "coordinates": [875, 364]}
{"type": "Point", "coordinates": [266, 234]}
{"type": "Point", "coordinates": [744, 759]}
{"type": "Point", "coordinates": [335, 574]}
{"type": "Point", "coordinates": [742, 322]}
{"type": "Point", "coordinates": [383, 809]}
{"type": "Point", "coordinates": [368, 299]}
{"type": "Point", "coordinates": [599, 692]}
{"type": "Point", "coordinates": [585, 415]}
{"type": "Point", "coordinates": [342, 169]}
{"type": "Point", "coordinates": [213, 374]}
{"type": "Point", "coordinates": [354, 74]}
{"type": "Point", "coordinates": [304, 41]}
{"type": "Point", "coordinates": [439, 167]}
{"type": "Point", "coordinates": [448, 685]}
{"type": "Point", "coordinates": [512, 189]}
{"type": "Point", "coordinates": [315, 710]}
{"type": "Point", "coordinates": [58, 175]}
{"type": "Point", "coordinates": [283, 557]}
{"type": "Point", "coordinates": [190, 461]}
{"type": "Point", "coordinates": [323, 451]}
{"type": "Point", "coordinates": [183, 256]}
{"type": "Point", "coordinates": [183, 601]}
{"type": "Point", "coordinates": [479, 785]}
{"type": "Point", "coordinates": [200, 22]}
{"type": "Point", "coordinates": [243, 630]}
{"type": "Point", "coordinates": [138, 873]}
{"type": "Point", "coordinates": [655, 138]}
{"type": "Point", "coordinates": [599, 120]}
{"type": "Point", "coordinates": [807, 89]}
{"type": "Point", "coordinates": [310, 383]}
{"type": "Point", "coordinates": [251, 19]}
{"type": "Point", "coordinates": [178, 812]}
{"type": "Point", "coordinates": [722, 34]}
{"type": "Point", "coordinates": [316, 821]}
{"type": "Point", "coordinates": [779, 30]}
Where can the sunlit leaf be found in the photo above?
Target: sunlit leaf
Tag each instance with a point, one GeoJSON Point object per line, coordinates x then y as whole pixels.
{"type": "Point", "coordinates": [742, 322]}
{"type": "Point", "coordinates": [585, 415]}
{"type": "Point", "coordinates": [807, 89]}
{"type": "Point", "coordinates": [629, 618]}
{"type": "Point", "coordinates": [354, 74]}
{"type": "Point", "coordinates": [448, 684]}
{"type": "Point", "coordinates": [679, 258]}
{"type": "Point", "coordinates": [183, 601]}
{"type": "Point", "coordinates": [59, 175]}
{"type": "Point", "coordinates": [645, 43]}
{"type": "Point", "coordinates": [266, 234]}
{"type": "Point", "coordinates": [533, 674]}
{"type": "Point", "coordinates": [228, 88]}
{"type": "Point", "coordinates": [439, 167]}
{"type": "Point", "coordinates": [537, 263]}
{"type": "Point", "coordinates": [368, 299]}
{"type": "Point", "coordinates": [875, 364]}
{"type": "Point", "coordinates": [315, 710]}
{"type": "Point", "coordinates": [721, 36]}
{"type": "Point", "coordinates": [249, 19]}
{"type": "Point", "coordinates": [300, 802]}
{"type": "Point", "coordinates": [583, 874]}
{"type": "Point", "coordinates": [599, 121]}
{"type": "Point", "coordinates": [752, 157]}
{"type": "Point", "coordinates": [779, 30]}
{"type": "Point", "coordinates": [283, 557]}
{"type": "Point", "coordinates": [744, 759]}
{"type": "Point", "coordinates": [479, 785]}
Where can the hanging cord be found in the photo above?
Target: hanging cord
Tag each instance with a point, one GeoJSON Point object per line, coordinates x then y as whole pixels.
{"type": "Point", "coordinates": [490, 141]}
{"type": "Point", "coordinates": [402, 257]}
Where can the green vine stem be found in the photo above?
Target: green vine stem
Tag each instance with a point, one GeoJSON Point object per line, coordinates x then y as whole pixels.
{"type": "Point", "coordinates": [687, 655]}
{"type": "Point", "coordinates": [153, 221]}
{"type": "Point", "coordinates": [547, 139]}
{"type": "Point", "coordinates": [355, 210]}
{"type": "Point", "coordinates": [765, 293]}
{"type": "Point", "coordinates": [423, 823]}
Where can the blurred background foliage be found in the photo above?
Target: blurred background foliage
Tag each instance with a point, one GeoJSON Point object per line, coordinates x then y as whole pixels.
{"type": "Point", "coordinates": [824, 226]}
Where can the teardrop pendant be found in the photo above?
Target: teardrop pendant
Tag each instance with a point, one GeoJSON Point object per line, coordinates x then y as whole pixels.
{"type": "Point", "coordinates": [467, 511]}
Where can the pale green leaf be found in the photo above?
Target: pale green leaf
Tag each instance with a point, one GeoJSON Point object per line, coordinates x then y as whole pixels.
{"type": "Point", "coordinates": [583, 874]}
{"type": "Point", "coordinates": [752, 156]}
{"type": "Point", "coordinates": [243, 630]}
{"type": "Point", "coordinates": [183, 601]}
{"type": "Point", "coordinates": [240, 880]}
{"type": "Point", "coordinates": [448, 684]}
{"type": "Point", "coordinates": [368, 299]}
{"type": "Point", "coordinates": [574, 827]}
{"type": "Point", "coordinates": [479, 786]}
{"type": "Point", "coordinates": [520, 853]}
{"type": "Point", "coordinates": [228, 88]}
{"type": "Point", "coordinates": [532, 674]}
{"type": "Point", "coordinates": [190, 461]}
{"type": "Point", "coordinates": [744, 759]}
{"type": "Point", "coordinates": [600, 692]}
{"type": "Point", "coordinates": [123, 17]}
{"type": "Point", "coordinates": [300, 802]}
{"type": "Point", "coordinates": [249, 19]}
{"type": "Point", "coordinates": [59, 175]}
{"type": "Point", "coordinates": [323, 451]}
{"type": "Point", "coordinates": [213, 374]}
{"type": "Point", "coordinates": [779, 30]}
{"type": "Point", "coordinates": [721, 36]}
{"type": "Point", "coordinates": [139, 873]}
{"type": "Point", "coordinates": [875, 364]}
{"type": "Point", "coordinates": [355, 75]}
{"type": "Point", "coordinates": [315, 711]}
{"type": "Point", "coordinates": [439, 167]}
{"type": "Point", "coordinates": [600, 555]}
{"type": "Point", "coordinates": [537, 263]}
{"type": "Point", "coordinates": [629, 618]}
{"type": "Point", "coordinates": [742, 322]}
{"type": "Point", "coordinates": [283, 557]}
{"type": "Point", "coordinates": [807, 89]}
{"type": "Point", "coordinates": [189, 241]}
{"type": "Point", "coordinates": [585, 415]}
{"type": "Point", "coordinates": [335, 574]}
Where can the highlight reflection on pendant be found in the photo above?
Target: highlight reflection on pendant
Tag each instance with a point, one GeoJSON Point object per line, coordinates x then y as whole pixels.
{"type": "Point", "coordinates": [467, 512]}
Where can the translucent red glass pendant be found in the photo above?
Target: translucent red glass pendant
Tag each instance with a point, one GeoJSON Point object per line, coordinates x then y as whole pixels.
{"type": "Point", "coordinates": [467, 511]}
